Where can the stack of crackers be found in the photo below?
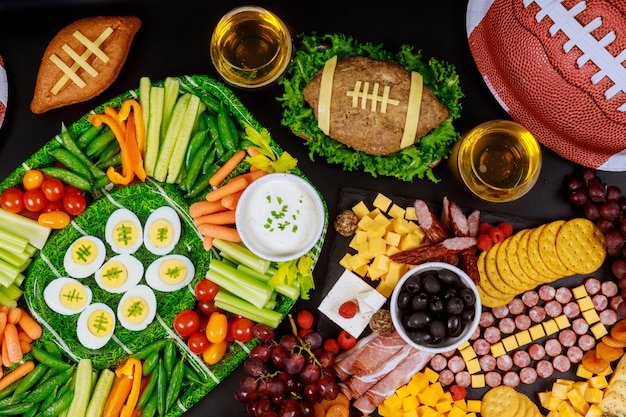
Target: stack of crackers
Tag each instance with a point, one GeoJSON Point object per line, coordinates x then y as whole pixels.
{"type": "Point", "coordinates": [539, 255]}
{"type": "Point", "coordinates": [613, 402]}
{"type": "Point", "coordinates": [505, 401]}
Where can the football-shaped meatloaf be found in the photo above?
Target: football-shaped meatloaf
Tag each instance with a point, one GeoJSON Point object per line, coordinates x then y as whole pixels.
{"type": "Point", "coordinates": [373, 106]}
{"type": "Point", "coordinates": [83, 60]}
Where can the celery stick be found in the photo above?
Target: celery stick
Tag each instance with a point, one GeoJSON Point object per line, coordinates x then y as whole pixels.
{"type": "Point", "coordinates": [36, 234]}
{"type": "Point", "coordinates": [12, 291]}
{"type": "Point", "coordinates": [12, 241]}
{"type": "Point", "coordinates": [7, 301]}
{"type": "Point", "coordinates": [286, 290]}
{"type": "Point", "coordinates": [153, 133]}
{"type": "Point", "coordinates": [19, 279]}
{"type": "Point", "coordinates": [8, 273]}
{"type": "Point", "coordinates": [254, 273]}
{"type": "Point", "coordinates": [242, 255]}
{"type": "Point", "coordinates": [171, 87]}
{"type": "Point", "coordinates": [169, 140]}
{"type": "Point", "coordinates": [145, 86]}
{"type": "Point", "coordinates": [235, 305]}
{"type": "Point", "coordinates": [30, 250]}
{"type": "Point", "coordinates": [236, 282]}
{"type": "Point", "coordinates": [16, 259]}
{"type": "Point", "coordinates": [182, 140]}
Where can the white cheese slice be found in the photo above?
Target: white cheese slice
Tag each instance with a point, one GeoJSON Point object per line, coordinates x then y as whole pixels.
{"type": "Point", "coordinates": [326, 92]}
{"type": "Point", "coordinates": [344, 290]}
{"type": "Point", "coordinates": [413, 110]}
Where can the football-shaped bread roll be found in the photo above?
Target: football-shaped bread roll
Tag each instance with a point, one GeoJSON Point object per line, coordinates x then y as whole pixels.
{"type": "Point", "coordinates": [377, 107]}
{"type": "Point", "coordinates": [83, 60]}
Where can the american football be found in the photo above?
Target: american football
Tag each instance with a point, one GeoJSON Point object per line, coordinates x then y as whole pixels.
{"type": "Point", "coordinates": [558, 67]}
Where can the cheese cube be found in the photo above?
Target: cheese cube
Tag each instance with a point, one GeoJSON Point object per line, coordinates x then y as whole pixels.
{"type": "Point", "coordinates": [591, 316]}
{"type": "Point", "coordinates": [361, 270]}
{"type": "Point", "coordinates": [523, 338]}
{"type": "Point", "coordinates": [473, 406]}
{"type": "Point", "coordinates": [593, 395]}
{"type": "Point", "coordinates": [478, 380]}
{"type": "Point", "coordinates": [497, 349]}
{"type": "Point", "coordinates": [382, 202]}
{"type": "Point", "coordinates": [360, 209]}
{"type": "Point", "coordinates": [608, 371]}
{"type": "Point", "coordinates": [550, 327]}
{"type": "Point", "coordinates": [345, 261]}
{"type": "Point", "coordinates": [396, 211]}
{"type": "Point", "coordinates": [384, 289]}
{"type": "Point", "coordinates": [377, 246]}
{"type": "Point", "coordinates": [393, 402]}
{"type": "Point", "coordinates": [510, 343]}
{"type": "Point", "coordinates": [431, 376]}
{"type": "Point", "coordinates": [426, 411]}
{"type": "Point", "coordinates": [473, 366]}
{"type": "Point", "coordinates": [456, 412]}
{"type": "Point", "coordinates": [579, 292]}
{"type": "Point", "coordinates": [409, 403]}
{"type": "Point", "coordinates": [374, 213]}
{"type": "Point", "coordinates": [410, 413]}
{"type": "Point", "coordinates": [537, 331]}
{"type": "Point", "coordinates": [403, 392]}
{"type": "Point", "coordinates": [357, 261]}
{"type": "Point", "coordinates": [400, 225]}
{"type": "Point", "coordinates": [376, 228]}
{"type": "Point", "coordinates": [383, 411]}
{"type": "Point", "coordinates": [409, 213]}
{"type": "Point", "coordinates": [443, 407]}
{"type": "Point", "coordinates": [582, 372]}
{"type": "Point", "coordinates": [461, 404]}
{"type": "Point", "coordinates": [428, 396]}
{"type": "Point", "coordinates": [598, 381]}
{"type": "Point", "coordinates": [417, 383]}
{"type": "Point", "coordinates": [360, 236]}
{"type": "Point", "coordinates": [594, 411]}
{"type": "Point", "coordinates": [410, 241]}
{"type": "Point", "coordinates": [560, 390]}
{"type": "Point", "coordinates": [566, 409]}
{"type": "Point", "coordinates": [562, 321]}
{"type": "Point", "coordinates": [598, 330]}
{"type": "Point", "coordinates": [585, 303]}
{"type": "Point", "coordinates": [468, 353]}
{"type": "Point", "coordinates": [393, 238]}
{"type": "Point", "coordinates": [364, 223]}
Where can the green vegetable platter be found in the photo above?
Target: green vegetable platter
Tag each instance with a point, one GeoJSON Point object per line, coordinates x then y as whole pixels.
{"type": "Point", "coordinates": [143, 198]}
{"type": "Point", "coordinates": [412, 162]}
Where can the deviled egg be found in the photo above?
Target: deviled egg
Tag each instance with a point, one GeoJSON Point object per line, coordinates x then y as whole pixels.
{"type": "Point", "coordinates": [162, 231]}
{"type": "Point", "coordinates": [170, 273]}
{"type": "Point", "coordinates": [119, 273]}
{"type": "Point", "coordinates": [123, 231]}
{"type": "Point", "coordinates": [95, 325]}
{"type": "Point", "coordinates": [84, 256]}
{"type": "Point", "coordinates": [67, 296]}
{"type": "Point", "coordinates": [137, 308]}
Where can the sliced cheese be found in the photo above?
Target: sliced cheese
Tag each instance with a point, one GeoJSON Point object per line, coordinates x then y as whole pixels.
{"type": "Point", "coordinates": [413, 110]}
{"type": "Point", "coordinates": [326, 92]}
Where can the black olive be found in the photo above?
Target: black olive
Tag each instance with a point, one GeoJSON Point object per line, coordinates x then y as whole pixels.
{"type": "Point", "coordinates": [437, 330]}
{"type": "Point", "coordinates": [435, 305]}
{"type": "Point", "coordinates": [448, 278]}
{"type": "Point", "coordinates": [431, 284]}
{"type": "Point", "coordinates": [419, 320]}
{"type": "Point", "coordinates": [449, 292]}
{"type": "Point", "coordinates": [420, 301]}
{"type": "Point", "coordinates": [454, 305]}
{"type": "Point", "coordinates": [467, 315]}
{"type": "Point", "coordinates": [413, 284]}
{"type": "Point", "coordinates": [468, 297]}
{"type": "Point", "coordinates": [404, 300]}
{"type": "Point", "coordinates": [405, 320]}
{"type": "Point", "coordinates": [454, 326]}
{"type": "Point", "coordinates": [421, 337]}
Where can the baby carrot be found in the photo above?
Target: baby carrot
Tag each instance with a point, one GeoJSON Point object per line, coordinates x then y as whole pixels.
{"type": "Point", "coordinates": [230, 201]}
{"type": "Point", "coordinates": [202, 207]}
{"type": "Point", "coordinates": [222, 217]}
{"type": "Point", "coordinates": [251, 175]}
{"type": "Point", "coordinates": [207, 242]}
{"type": "Point", "coordinates": [228, 188]}
{"type": "Point", "coordinates": [19, 372]}
{"type": "Point", "coordinates": [228, 167]}
{"type": "Point", "coordinates": [14, 315]}
{"type": "Point", "coordinates": [12, 341]}
{"type": "Point", "coordinates": [219, 232]}
{"type": "Point", "coordinates": [30, 326]}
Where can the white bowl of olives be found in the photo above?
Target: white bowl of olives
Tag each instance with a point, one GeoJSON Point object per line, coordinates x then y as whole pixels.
{"type": "Point", "coordinates": [435, 307]}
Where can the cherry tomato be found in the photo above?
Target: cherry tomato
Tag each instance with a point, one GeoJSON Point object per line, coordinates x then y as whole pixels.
{"type": "Point", "coordinates": [208, 307]}
{"type": "Point", "coordinates": [33, 179]}
{"type": "Point", "coordinates": [70, 189]}
{"type": "Point", "coordinates": [215, 352]}
{"type": "Point", "coordinates": [34, 200]}
{"type": "Point", "coordinates": [198, 343]}
{"type": "Point", "coordinates": [241, 329]}
{"type": "Point", "coordinates": [53, 206]}
{"type": "Point", "coordinates": [12, 199]}
{"type": "Point", "coordinates": [205, 290]}
{"type": "Point", "coordinates": [217, 327]}
{"type": "Point", "coordinates": [53, 189]}
{"type": "Point", "coordinates": [186, 323]}
{"type": "Point", "coordinates": [54, 219]}
{"type": "Point", "coordinates": [74, 203]}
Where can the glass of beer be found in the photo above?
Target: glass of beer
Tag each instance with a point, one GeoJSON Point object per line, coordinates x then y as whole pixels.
{"type": "Point", "coordinates": [250, 47]}
{"type": "Point", "coordinates": [498, 161]}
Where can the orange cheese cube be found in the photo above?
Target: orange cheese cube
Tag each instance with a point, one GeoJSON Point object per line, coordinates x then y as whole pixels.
{"type": "Point", "coordinates": [443, 406]}
{"type": "Point", "coordinates": [410, 413]}
{"type": "Point", "coordinates": [473, 406]}
{"type": "Point", "coordinates": [393, 402]}
{"type": "Point", "coordinates": [432, 377]}
{"type": "Point", "coordinates": [456, 412]}
{"type": "Point", "coordinates": [409, 403]}
{"type": "Point", "coordinates": [594, 411]}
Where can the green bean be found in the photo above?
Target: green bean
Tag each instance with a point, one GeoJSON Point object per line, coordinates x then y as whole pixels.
{"type": "Point", "coordinates": [169, 357]}
{"type": "Point", "coordinates": [31, 379]}
{"type": "Point", "coordinates": [161, 389]}
{"type": "Point", "coordinates": [146, 394]}
{"type": "Point", "coordinates": [60, 404]}
{"type": "Point", "coordinates": [145, 351]}
{"type": "Point", "coordinates": [223, 125]}
{"type": "Point", "coordinates": [176, 381]}
{"type": "Point", "coordinates": [17, 409]}
{"type": "Point", "coordinates": [70, 161]}
{"type": "Point", "coordinates": [150, 409]}
{"type": "Point", "coordinates": [100, 143]}
{"type": "Point", "coordinates": [88, 135]}
{"type": "Point", "coordinates": [68, 177]}
{"type": "Point", "coordinates": [150, 363]}
{"type": "Point", "coordinates": [45, 389]}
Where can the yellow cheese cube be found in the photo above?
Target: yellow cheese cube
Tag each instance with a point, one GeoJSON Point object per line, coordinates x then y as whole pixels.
{"type": "Point", "coordinates": [415, 229]}
{"type": "Point", "coordinates": [360, 236]}
{"type": "Point", "coordinates": [456, 412]}
{"type": "Point", "coordinates": [544, 398]}
{"type": "Point", "coordinates": [550, 327]}
{"type": "Point", "coordinates": [537, 331]}
{"type": "Point", "coordinates": [400, 225]}
{"type": "Point", "coordinates": [594, 411]}
{"type": "Point", "coordinates": [360, 209]}
{"type": "Point", "coordinates": [581, 387]}
{"type": "Point", "coordinates": [461, 404]}
{"type": "Point", "coordinates": [560, 390]}
{"type": "Point", "coordinates": [410, 413]}
{"type": "Point", "coordinates": [364, 223]}
{"type": "Point", "coordinates": [417, 383]}
{"type": "Point", "coordinates": [478, 380]}
{"type": "Point", "coordinates": [591, 316]}
{"type": "Point", "coordinates": [577, 400]}
{"type": "Point", "coordinates": [377, 246]}
{"type": "Point", "coordinates": [523, 338]}
{"type": "Point", "coordinates": [470, 415]}
{"type": "Point", "coordinates": [426, 411]}
{"type": "Point", "coordinates": [432, 377]}
{"type": "Point", "coordinates": [357, 260]}
{"type": "Point", "coordinates": [552, 403]}
{"type": "Point", "coordinates": [598, 330]}
{"type": "Point", "coordinates": [510, 343]}
{"type": "Point", "coordinates": [428, 396]}
{"type": "Point", "coordinates": [598, 381]}
{"type": "Point", "coordinates": [593, 395]}
{"type": "Point", "coordinates": [383, 411]}
{"type": "Point", "coordinates": [562, 322]}
{"type": "Point", "coordinates": [473, 406]}
{"type": "Point", "coordinates": [345, 261]}
{"type": "Point", "coordinates": [382, 202]}
{"type": "Point", "coordinates": [361, 270]}
{"type": "Point", "coordinates": [393, 402]}
{"type": "Point", "coordinates": [403, 392]}
{"type": "Point", "coordinates": [409, 213]}
{"type": "Point", "coordinates": [382, 219]}
{"type": "Point", "coordinates": [473, 366]}
{"type": "Point", "coordinates": [582, 372]}
{"type": "Point", "coordinates": [579, 292]}
{"type": "Point", "coordinates": [394, 272]}
{"type": "Point", "coordinates": [443, 406]}
{"type": "Point", "coordinates": [381, 262]}
{"type": "Point", "coordinates": [374, 213]}
{"type": "Point", "coordinates": [468, 353]}
{"type": "Point", "coordinates": [608, 371]}
{"type": "Point", "coordinates": [396, 211]}
{"type": "Point", "coordinates": [585, 303]}
{"type": "Point", "coordinates": [392, 238]}
{"type": "Point", "coordinates": [566, 409]}
{"type": "Point", "coordinates": [392, 250]}
{"type": "Point", "coordinates": [376, 229]}
{"type": "Point", "coordinates": [384, 289]}
{"type": "Point", "coordinates": [375, 273]}
{"type": "Point", "coordinates": [410, 241]}
{"type": "Point", "coordinates": [497, 349]}
{"type": "Point", "coordinates": [409, 403]}
{"type": "Point", "coordinates": [464, 345]}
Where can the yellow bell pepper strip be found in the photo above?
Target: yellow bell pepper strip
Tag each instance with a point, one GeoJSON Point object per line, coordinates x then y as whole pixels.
{"type": "Point", "coordinates": [132, 369]}
{"type": "Point", "coordinates": [127, 173]}
{"type": "Point", "coordinates": [140, 126]}
{"type": "Point", "coordinates": [133, 149]}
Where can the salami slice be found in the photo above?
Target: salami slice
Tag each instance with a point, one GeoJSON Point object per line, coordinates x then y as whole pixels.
{"type": "Point", "coordinates": [567, 337]}
{"type": "Point", "coordinates": [561, 363]}
{"type": "Point", "coordinates": [493, 379]}
{"type": "Point", "coordinates": [486, 319]}
{"type": "Point", "coordinates": [463, 379]}
{"type": "Point", "coordinates": [609, 288]}
{"type": "Point", "coordinates": [516, 306]}
{"type": "Point", "coordinates": [522, 321]}
{"type": "Point", "coordinates": [615, 301]}
{"type": "Point", "coordinates": [511, 379]}
{"type": "Point", "coordinates": [547, 292]}
{"type": "Point", "coordinates": [476, 333]}
{"type": "Point", "coordinates": [530, 298]}
{"type": "Point", "coordinates": [600, 302]}
{"type": "Point", "coordinates": [446, 377]}
{"type": "Point", "coordinates": [592, 285]}
{"type": "Point", "coordinates": [571, 309]}
{"type": "Point", "coordinates": [575, 354]}
{"type": "Point", "coordinates": [537, 314]}
{"type": "Point", "coordinates": [456, 364]}
{"type": "Point", "coordinates": [608, 317]}
{"type": "Point", "coordinates": [580, 326]}
{"type": "Point", "coordinates": [481, 346]}
{"type": "Point", "coordinates": [487, 363]}
{"type": "Point", "coordinates": [507, 325]}
{"type": "Point", "coordinates": [586, 342]}
{"type": "Point", "coordinates": [500, 312]}
{"type": "Point", "coordinates": [563, 295]}
{"type": "Point", "coordinates": [553, 347]}
{"type": "Point", "coordinates": [432, 227]}
{"type": "Point", "coordinates": [536, 351]}
{"type": "Point", "coordinates": [521, 358]}
{"type": "Point", "coordinates": [528, 375]}
{"type": "Point", "coordinates": [553, 308]}
{"type": "Point", "coordinates": [492, 334]}
{"type": "Point", "coordinates": [504, 362]}
{"type": "Point", "coordinates": [438, 362]}
{"type": "Point", "coordinates": [544, 368]}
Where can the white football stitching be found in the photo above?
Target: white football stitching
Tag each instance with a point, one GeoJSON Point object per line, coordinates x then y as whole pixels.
{"type": "Point", "coordinates": [580, 36]}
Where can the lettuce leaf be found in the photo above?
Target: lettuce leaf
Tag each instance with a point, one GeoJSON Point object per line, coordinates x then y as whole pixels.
{"type": "Point", "coordinates": [407, 164]}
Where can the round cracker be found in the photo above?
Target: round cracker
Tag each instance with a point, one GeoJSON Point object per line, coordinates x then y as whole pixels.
{"type": "Point", "coordinates": [535, 257]}
{"type": "Point", "coordinates": [531, 408]}
{"type": "Point", "coordinates": [493, 274]}
{"type": "Point", "coordinates": [505, 271]}
{"type": "Point", "coordinates": [514, 263]}
{"type": "Point", "coordinates": [485, 283]}
{"type": "Point", "coordinates": [491, 302]}
{"type": "Point", "coordinates": [500, 401]}
{"type": "Point", "coordinates": [581, 246]}
{"type": "Point", "coordinates": [524, 261]}
{"type": "Point", "coordinates": [547, 249]}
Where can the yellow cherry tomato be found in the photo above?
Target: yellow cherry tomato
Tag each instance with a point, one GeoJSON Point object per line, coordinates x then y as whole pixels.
{"type": "Point", "coordinates": [54, 219]}
{"type": "Point", "coordinates": [215, 352]}
{"type": "Point", "coordinates": [217, 327]}
{"type": "Point", "coordinates": [33, 179]}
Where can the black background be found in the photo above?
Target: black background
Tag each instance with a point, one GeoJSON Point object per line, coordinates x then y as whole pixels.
{"type": "Point", "coordinates": [174, 40]}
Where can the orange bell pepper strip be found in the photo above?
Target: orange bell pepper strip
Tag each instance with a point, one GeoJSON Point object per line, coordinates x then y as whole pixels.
{"type": "Point", "coordinates": [115, 115]}
{"type": "Point", "coordinates": [136, 160]}
{"type": "Point", "coordinates": [132, 368]}
{"type": "Point", "coordinates": [127, 173]}
{"type": "Point", "coordinates": [122, 387]}
{"type": "Point", "coordinates": [140, 125]}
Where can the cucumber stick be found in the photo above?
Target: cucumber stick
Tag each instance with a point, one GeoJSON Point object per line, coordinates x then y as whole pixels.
{"type": "Point", "coordinates": [82, 389]}
{"type": "Point", "coordinates": [153, 135]}
{"type": "Point", "coordinates": [145, 85]}
{"type": "Point", "coordinates": [100, 393]}
{"type": "Point", "coordinates": [182, 140]}
{"type": "Point", "coordinates": [171, 86]}
{"type": "Point", "coordinates": [169, 140]}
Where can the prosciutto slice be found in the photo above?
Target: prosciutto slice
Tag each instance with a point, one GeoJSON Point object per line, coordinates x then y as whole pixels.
{"type": "Point", "coordinates": [377, 352]}
{"type": "Point", "coordinates": [401, 375]}
{"type": "Point", "coordinates": [345, 360]}
{"type": "Point", "coordinates": [432, 227]}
